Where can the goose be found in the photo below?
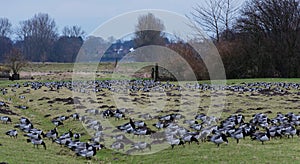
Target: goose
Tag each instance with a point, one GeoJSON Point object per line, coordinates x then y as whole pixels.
{"type": "Point", "coordinates": [218, 139]}
{"type": "Point", "coordinates": [57, 123]}
{"type": "Point", "coordinates": [140, 124]}
{"type": "Point", "coordinates": [118, 116]}
{"type": "Point", "coordinates": [76, 136]}
{"type": "Point", "coordinates": [143, 131]}
{"type": "Point", "coordinates": [5, 119]}
{"type": "Point", "coordinates": [62, 141]}
{"type": "Point", "coordinates": [141, 146]}
{"type": "Point", "coordinates": [190, 138]}
{"type": "Point", "coordinates": [24, 127]}
{"type": "Point", "coordinates": [38, 131]}
{"type": "Point", "coordinates": [107, 113]}
{"type": "Point", "coordinates": [196, 127]}
{"type": "Point", "coordinates": [290, 131]}
{"type": "Point", "coordinates": [174, 142]}
{"type": "Point", "coordinates": [75, 116]}
{"type": "Point", "coordinates": [98, 146]}
{"type": "Point", "coordinates": [12, 133]}
{"type": "Point", "coordinates": [161, 125]}
{"type": "Point", "coordinates": [68, 134]}
{"type": "Point", "coordinates": [239, 134]}
{"type": "Point", "coordinates": [24, 120]}
{"type": "Point", "coordinates": [52, 134]}
{"type": "Point", "coordinates": [60, 118]}
{"type": "Point", "coordinates": [87, 153]}
{"type": "Point", "coordinates": [261, 136]}
{"type": "Point", "coordinates": [117, 146]}
{"type": "Point", "coordinates": [34, 136]}
{"type": "Point", "coordinates": [37, 142]}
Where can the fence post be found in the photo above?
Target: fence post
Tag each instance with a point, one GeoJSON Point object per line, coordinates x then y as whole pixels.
{"type": "Point", "coordinates": [156, 72]}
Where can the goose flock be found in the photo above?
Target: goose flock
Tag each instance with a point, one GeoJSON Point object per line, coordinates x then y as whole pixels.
{"type": "Point", "coordinates": [171, 127]}
{"type": "Point", "coordinates": [68, 139]}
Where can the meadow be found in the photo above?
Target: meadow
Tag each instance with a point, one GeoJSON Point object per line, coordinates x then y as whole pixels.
{"type": "Point", "coordinates": [284, 150]}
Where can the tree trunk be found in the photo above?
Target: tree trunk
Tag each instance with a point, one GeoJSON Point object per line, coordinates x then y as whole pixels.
{"type": "Point", "coordinates": [15, 77]}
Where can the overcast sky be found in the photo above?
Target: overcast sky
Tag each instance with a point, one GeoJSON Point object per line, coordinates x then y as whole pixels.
{"type": "Point", "coordinates": [88, 14]}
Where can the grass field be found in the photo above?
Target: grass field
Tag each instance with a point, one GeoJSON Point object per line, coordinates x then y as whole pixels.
{"type": "Point", "coordinates": [275, 151]}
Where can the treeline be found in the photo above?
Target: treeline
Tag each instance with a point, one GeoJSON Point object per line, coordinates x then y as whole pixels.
{"type": "Point", "coordinates": [264, 41]}
{"type": "Point", "coordinates": [39, 40]}
{"type": "Point", "coordinates": [257, 39]}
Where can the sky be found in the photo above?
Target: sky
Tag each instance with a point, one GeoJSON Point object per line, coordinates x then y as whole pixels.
{"type": "Point", "coordinates": [88, 14]}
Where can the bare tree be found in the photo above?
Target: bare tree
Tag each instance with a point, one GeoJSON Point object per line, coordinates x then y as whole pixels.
{"type": "Point", "coordinates": [230, 11]}
{"type": "Point", "coordinates": [273, 28]}
{"type": "Point", "coordinates": [5, 27]}
{"type": "Point", "coordinates": [15, 61]}
{"type": "Point", "coordinates": [148, 31]}
{"type": "Point", "coordinates": [6, 43]}
{"type": "Point", "coordinates": [214, 16]}
{"type": "Point", "coordinates": [39, 34]}
{"type": "Point", "coordinates": [74, 31]}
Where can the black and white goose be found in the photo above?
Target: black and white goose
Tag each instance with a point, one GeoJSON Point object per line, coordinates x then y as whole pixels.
{"type": "Point", "coordinates": [238, 134]}
{"type": "Point", "coordinates": [38, 131]}
{"type": "Point", "coordinates": [87, 153]}
{"type": "Point", "coordinates": [218, 139]}
{"type": "Point", "coordinates": [34, 136]}
{"type": "Point", "coordinates": [117, 146]}
{"type": "Point", "coordinates": [37, 142]}
{"type": "Point", "coordinates": [190, 138]}
{"type": "Point", "coordinates": [5, 119]}
{"type": "Point", "coordinates": [57, 123]}
{"type": "Point", "coordinates": [12, 133]}
{"type": "Point", "coordinates": [52, 134]}
{"type": "Point", "coordinates": [24, 120]}
{"type": "Point", "coordinates": [173, 142]}
{"type": "Point", "coordinates": [261, 136]}
{"type": "Point", "coordinates": [141, 146]}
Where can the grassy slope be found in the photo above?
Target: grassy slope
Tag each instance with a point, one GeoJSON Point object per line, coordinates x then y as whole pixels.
{"type": "Point", "coordinates": [275, 151]}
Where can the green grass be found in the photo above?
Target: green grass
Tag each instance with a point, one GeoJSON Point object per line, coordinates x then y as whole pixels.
{"type": "Point", "coordinates": [247, 151]}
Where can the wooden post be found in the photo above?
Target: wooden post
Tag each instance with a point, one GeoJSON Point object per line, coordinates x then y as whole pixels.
{"type": "Point", "coordinates": [156, 72]}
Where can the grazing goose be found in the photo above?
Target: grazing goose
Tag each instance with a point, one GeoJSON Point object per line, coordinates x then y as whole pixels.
{"type": "Point", "coordinates": [174, 142]}
{"type": "Point", "coordinates": [261, 136]}
{"type": "Point", "coordinates": [118, 116]}
{"type": "Point", "coordinates": [37, 142]}
{"type": "Point", "coordinates": [161, 125]}
{"type": "Point", "coordinates": [218, 139]}
{"type": "Point", "coordinates": [24, 127]}
{"type": "Point", "coordinates": [290, 131]}
{"type": "Point", "coordinates": [238, 134]}
{"type": "Point", "coordinates": [57, 123]}
{"type": "Point", "coordinates": [117, 146]}
{"type": "Point", "coordinates": [38, 131]}
{"type": "Point", "coordinates": [5, 119]}
{"type": "Point", "coordinates": [190, 138]}
{"type": "Point", "coordinates": [60, 118]}
{"type": "Point", "coordinates": [34, 136]}
{"type": "Point", "coordinates": [97, 145]}
{"type": "Point", "coordinates": [75, 116]}
{"type": "Point", "coordinates": [141, 146]}
{"type": "Point", "coordinates": [12, 133]}
{"type": "Point", "coordinates": [62, 141]}
{"type": "Point", "coordinates": [87, 153]}
{"type": "Point", "coordinates": [143, 131]}
{"type": "Point", "coordinates": [52, 134]}
{"type": "Point", "coordinates": [24, 120]}
{"type": "Point", "coordinates": [67, 134]}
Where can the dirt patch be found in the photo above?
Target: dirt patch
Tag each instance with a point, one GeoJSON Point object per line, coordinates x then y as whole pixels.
{"type": "Point", "coordinates": [44, 98]}
{"type": "Point", "coordinates": [67, 101]}
{"type": "Point", "coordinates": [7, 112]}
